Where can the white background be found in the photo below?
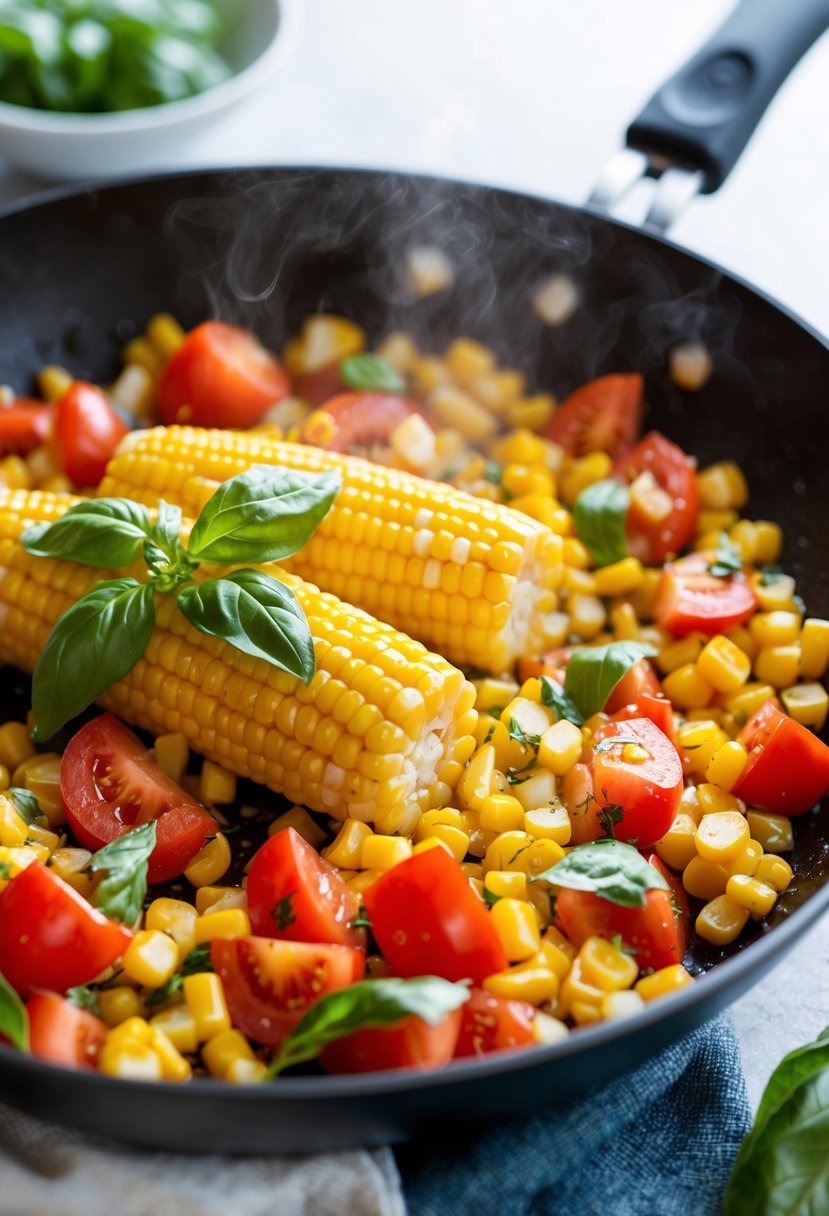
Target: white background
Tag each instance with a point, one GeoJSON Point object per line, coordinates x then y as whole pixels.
{"type": "Point", "coordinates": [535, 94]}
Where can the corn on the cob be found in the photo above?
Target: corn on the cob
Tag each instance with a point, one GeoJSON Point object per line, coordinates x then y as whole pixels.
{"type": "Point", "coordinates": [474, 579]}
{"type": "Point", "coordinates": [369, 738]}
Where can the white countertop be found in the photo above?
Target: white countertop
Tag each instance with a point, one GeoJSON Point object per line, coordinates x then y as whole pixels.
{"type": "Point", "coordinates": [535, 95]}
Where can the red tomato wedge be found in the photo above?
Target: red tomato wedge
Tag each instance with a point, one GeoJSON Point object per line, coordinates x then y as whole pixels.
{"type": "Point", "coordinates": [87, 432]}
{"type": "Point", "coordinates": [689, 599]}
{"type": "Point", "coordinates": [294, 893]}
{"type": "Point", "coordinates": [639, 680]}
{"type": "Point", "coordinates": [662, 515]}
{"type": "Point", "coordinates": [23, 425]}
{"type": "Point", "coordinates": [52, 938]}
{"type": "Point", "coordinates": [367, 420]}
{"type": "Point", "coordinates": [62, 1033]}
{"type": "Point", "coordinates": [220, 376]}
{"type": "Point", "coordinates": [643, 777]}
{"type": "Point", "coordinates": [494, 1023]}
{"type": "Point", "coordinates": [787, 772]}
{"type": "Point", "coordinates": [110, 783]}
{"type": "Point", "coordinates": [656, 932]}
{"type": "Point", "coordinates": [409, 1043]}
{"type": "Point", "coordinates": [270, 984]}
{"type": "Point", "coordinates": [582, 807]}
{"type": "Point", "coordinates": [657, 708]}
{"type": "Point", "coordinates": [427, 920]}
{"type": "Point", "coordinates": [320, 386]}
{"type": "Point", "coordinates": [601, 416]}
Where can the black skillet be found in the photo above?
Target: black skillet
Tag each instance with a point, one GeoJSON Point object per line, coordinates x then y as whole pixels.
{"type": "Point", "coordinates": [81, 272]}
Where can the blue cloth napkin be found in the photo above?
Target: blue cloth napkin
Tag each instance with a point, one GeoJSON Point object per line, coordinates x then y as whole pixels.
{"type": "Point", "coordinates": [659, 1141]}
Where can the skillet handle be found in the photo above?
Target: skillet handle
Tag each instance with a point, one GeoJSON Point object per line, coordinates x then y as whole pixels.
{"type": "Point", "coordinates": [704, 115]}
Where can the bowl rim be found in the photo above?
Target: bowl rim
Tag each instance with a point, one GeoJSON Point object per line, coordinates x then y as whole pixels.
{"type": "Point", "coordinates": [167, 114]}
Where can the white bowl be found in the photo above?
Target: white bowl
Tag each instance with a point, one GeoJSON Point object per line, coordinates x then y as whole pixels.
{"type": "Point", "coordinates": [259, 36]}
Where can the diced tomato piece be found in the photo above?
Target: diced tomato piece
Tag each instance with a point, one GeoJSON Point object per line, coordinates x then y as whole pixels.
{"type": "Point", "coordinates": [653, 537]}
{"type": "Point", "coordinates": [601, 416]}
{"type": "Point", "coordinates": [657, 708]}
{"type": "Point", "coordinates": [320, 386]}
{"type": "Point", "coordinates": [647, 785]}
{"type": "Point", "coordinates": [24, 424]}
{"type": "Point", "coordinates": [787, 772]}
{"type": "Point", "coordinates": [582, 807]}
{"type": "Point", "coordinates": [494, 1023]}
{"type": "Point", "coordinates": [363, 421]}
{"type": "Point", "coordinates": [62, 1033]}
{"type": "Point", "coordinates": [655, 932]}
{"type": "Point", "coordinates": [87, 432]}
{"type": "Point", "coordinates": [689, 599]}
{"type": "Point", "coordinates": [409, 1043]}
{"type": "Point", "coordinates": [640, 679]}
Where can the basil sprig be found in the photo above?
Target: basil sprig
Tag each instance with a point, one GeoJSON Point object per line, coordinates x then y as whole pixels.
{"type": "Point", "coordinates": [608, 868]}
{"type": "Point", "coordinates": [782, 1168]}
{"type": "Point", "coordinates": [600, 513]}
{"type": "Point", "coordinates": [727, 559]}
{"type": "Point", "coordinates": [260, 516]}
{"type": "Point", "coordinates": [26, 804]}
{"type": "Point", "coordinates": [371, 373]}
{"type": "Point", "coordinates": [120, 893]}
{"type": "Point", "coordinates": [197, 960]}
{"type": "Point", "coordinates": [14, 1020]}
{"type": "Point", "coordinates": [368, 1003]}
{"type": "Point", "coordinates": [594, 671]}
{"type": "Point", "coordinates": [560, 702]}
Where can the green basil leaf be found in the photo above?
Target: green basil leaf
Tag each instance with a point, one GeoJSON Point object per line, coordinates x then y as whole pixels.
{"type": "Point", "coordinates": [599, 513]}
{"type": "Point", "coordinates": [517, 732]}
{"type": "Point", "coordinates": [608, 868]}
{"type": "Point", "coordinates": [782, 1168]}
{"type": "Point", "coordinates": [262, 515]}
{"type": "Point", "coordinates": [370, 373]}
{"type": "Point", "coordinates": [594, 671]}
{"type": "Point", "coordinates": [85, 997]}
{"type": "Point", "coordinates": [103, 532]}
{"type": "Point", "coordinates": [257, 615]}
{"type": "Point", "coordinates": [93, 645]}
{"type": "Point", "coordinates": [368, 1003]}
{"type": "Point", "coordinates": [14, 1020]}
{"type": "Point", "coordinates": [26, 804]}
{"type": "Point", "coordinates": [727, 559]}
{"type": "Point", "coordinates": [553, 694]}
{"type": "Point", "coordinates": [121, 892]}
{"type": "Point", "coordinates": [197, 960]}
{"type": "Point", "coordinates": [167, 528]}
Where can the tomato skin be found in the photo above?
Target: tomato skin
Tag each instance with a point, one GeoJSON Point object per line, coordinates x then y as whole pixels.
{"type": "Point", "coordinates": [87, 432]}
{"type": "Point", "coordinates": [270, 984]}
{"type": "Point", "coordinates": [679, 901]}
{"type": "Point", "coordinates": [62, 1033]}
{"type": "Point", "coordinates": [51, 937]}
{"type": "Point", "coordinates": [787, 772]}
{"type": "Point", "coordinates": [600, 416]}
{"type": "Point", "coordinates": [220, 376]}
{"type": "Point", "coordinates": [640, 679]}
{"type": "Point", "coordinates": [321, 904]}
{"type": "Point", "coordinates": [427, 920]}
{"type": "Point", "coordinates": [366, 420]}
{"type": "Point", "coordinates": [493, 1023]}
{"type": "Point", "coordinates": [409, 1043]}
{"type": "Point", "coordinates": [105, 749]}
{"type": "Point", "coordinates": [584, 810]}
{"type": "Point", "coordinates": [649, 791]}
{"type": "Point", "coordinates": [320, 386]}
{"type": "Point", "coordinates": [689, 599]}
{"type": "Point", "coordinates": [654, 931]}
{"type": "Point", "coordinates": [657, 708]}
{"type": "Point", "coordinates": [676, 474]}
{"type": "Point", "coordinates": [23, 425]}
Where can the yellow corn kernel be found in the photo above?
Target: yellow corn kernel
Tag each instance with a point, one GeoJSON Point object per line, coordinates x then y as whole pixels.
{"type": "Point", "coordinates": [698, 741]}
{"type": "Point", "coordinates": [15, 745]}
{"type": "Point", "coordinates": [508, 851]}
{"type": "Point", "coordinates": [452, 838]}
{"type": "Point", "coordinates": [768, 541]}
{"type": "Point", "coordinates": [605, 967]}
{"type": "Point", "coordinates": [580, 581]}
{"type": "Point", "coordinates": [556, 958]}
{"type": "Point", "coordinates": [226, 925]}
{"type": "Point", "coordinates": [575, 987]}
{"type": "Point", "coordinates": [624, 621]}
{"type": "Point", "coordinates": [12, 861]}
{"type": "Point", "coordinates": [219, 1052]}
{"type": "Point", "coordinates": [709, 521]}
{"type": "Point", "coordinates": [704, 879]}
{"type": "Point", "coordinates": [542, 855]}
{"type": "Point", "coordinates": [721, 921]}
{"type": "Point", "coordinates": [548, 1030]}
{"type": "Point", "coordinates": [581, 472]}
{"type": "Point", "coordinates": [501, 813]}
{"type": "Point", "coordinates": [775, 872]}
{"type": "Point", "coordinates": [774, 596]}
{"type": "Point", "coordinates": [14, 830]}
{"type": "Point", "coordinates": [70, 865]}
{"type": "Point", "coordinates": [174, 1067]}
{"type": "Point", "coordinates": [517, 928]}
{"type": "Point", "coordinates": [721, 836]}
{"type": "Point", "coordinates": [150, 958]}
{"type": "Point", "coordinates": [531, 412]}
{"type": "Point", "coordinates": [746, 702]}
{"type": "Point", "coordinates": [467, 359]}
{"type": "Point", "coordinates": [746, 861]}
{"type": "Point", "coordinates": [750, 893]}
{"type": "Point", "coordinates": [549, 823]}
{"type": "Point", "coordinates": [585, 1013]}
{"type": "Point", "coordinates": [41, 775]}
{"type": "Point", "coordinates": [778, 665]}
{"type": "Point", "coordinates": [217, 787]}
{"type": "Point", "coordinates": [179, 1026]}
{"type": "Point", "coordinates": [53, 382]}
{"type": "Point", "coordinates": [399, 350]}
{"type": "Point", "coordinates": [478, 782]}
{"type": "Point", "coordinates": [713, 800]}
{"type": "Point", "coordinates": [491, 693]}
{"type": "Point", "coordinates": [130, 1060]}
{"type": "Point", "coordinates": [535, 789]}
{"type": "Point", "coordinates": [576, 554]}
{"type": "Point", "coordinates": [689, 803]}
{"type": "Point", "coordinates": [473, 869]}
{"type": "Point", "coordinates": [459, 409]}
{"type": "Point", "coordinates": [208, 898]}
{"type": "Point", "coordinates": [297, 817]}
{"type": "Point", "coordinates": [164, 334]}
{"type": "Point", "coordinates": [384, 852]}
{"type": "Point", "coordinates": [687, 687]}
{"type": "Point", "coordinates": [722, 487]}
{"type": "Point", "coordinates": [507, 883]}
{"type": "Point", "coordinates": [619, 577]}
{"type": "Point", "coordinates": [526, 982]}
{"type": "Point", "coordinates": [726, 765]}
{"type": "Point", "coordinates": [663, 982]}
{"type": "Point", "coordinates": [520, 479]}
{"type": "Point", "coordinates": [362, 882]}
{"type": "Point", "coordinates": [246, 1072]}
{"type": "Point", "coordinates": [773, 832]}
{"type": "Point", "coordinates": [15, 473]}
{"type": "Point", "coordinates": [814, 649]}
{"type": "Point", "coordinates": [118, 1004]}
{"type": "Point", "coordinates": [723, 664]}
{"type": "Point", "coordinates": [204, 997]}
{"type": "Point", "coordinates": [587, 615]}
{"type": "Point", "coordinates": [615, 1005]}
{"type": "Point", "coordinates": [743, 536]}
{"type": "Point", "coordinates": [807, 704]}
{"type": "Point", "coordinates": [678, 846]}
{"type": "Point", "coordinates": [560, 747]}
{"type": "Point", "coordinates": [541, 903]}
{"type": "Point", "coordinates": [210, 863]}
{"type": "Point", "coordinates": [176, 918]}
{"type": "Point", "coordinates": [346, 849]}
{"type": "Point", "coordinates": [531, 689]}
{"type": "Point", "coordinates": [775, 628]}
{"type": "Point", "coordinates": [520, 446]}
{"type": "Point", "coordinates": [172, 754]}
{"type": "Point", "coordinates": [678, 654]}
